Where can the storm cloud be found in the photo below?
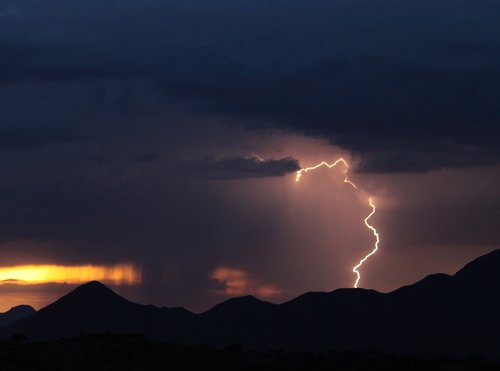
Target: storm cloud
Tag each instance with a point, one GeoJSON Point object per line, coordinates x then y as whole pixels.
{"type": "Point", "coordinates": [381, 79]}
{"type": "Point", "coordinates": [241, 167]}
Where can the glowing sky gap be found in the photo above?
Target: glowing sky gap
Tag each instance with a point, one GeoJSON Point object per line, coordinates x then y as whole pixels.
{"type": "Point", "coordinates": [120, 274]}
{"type": "Point", "coordinates": [341, 160]}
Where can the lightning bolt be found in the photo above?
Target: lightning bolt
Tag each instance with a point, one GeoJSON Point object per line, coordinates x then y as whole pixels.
{"type": "Point", "coordinates": [342, 161]}
{"type": "Point", "coordinates": [375, 247]}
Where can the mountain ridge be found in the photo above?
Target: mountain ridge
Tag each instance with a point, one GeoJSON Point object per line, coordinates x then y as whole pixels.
{"type": "Point", "coordinates": [440, 314]}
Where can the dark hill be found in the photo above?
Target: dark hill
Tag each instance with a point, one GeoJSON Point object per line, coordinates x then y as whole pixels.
{"type": "Point", "coordinates": [94, 308]}
{"type": "Point", "coordinates": [15, 314]}
{"type": "Point", "coordinates": [483, 271]}
{"type": "Point", "coordinates": [439, 315]}
{"type": "Point", "coordinates": [242, 320]}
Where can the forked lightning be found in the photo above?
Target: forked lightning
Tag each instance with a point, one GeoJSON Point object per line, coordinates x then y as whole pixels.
{"type": "Point", "coordinates": [356, 268]}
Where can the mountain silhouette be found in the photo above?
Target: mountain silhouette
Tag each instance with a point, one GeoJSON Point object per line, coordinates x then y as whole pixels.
{"type": "Point", "coordinates": [15, 314]}
{"type": "Point", "coordinates": [94, 308]}
{"type": "Point", "coordinates": [439, 315]}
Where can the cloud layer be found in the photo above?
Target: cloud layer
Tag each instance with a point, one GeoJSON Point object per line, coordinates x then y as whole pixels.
{"type": "Point", "coordinates": [241, 167]}
{"type": "Point", "coordinates": [389, 80]}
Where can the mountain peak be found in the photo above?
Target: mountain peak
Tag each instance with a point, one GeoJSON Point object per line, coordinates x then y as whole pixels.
{"type": "Point", "coordinates": [20, 309]}
{"type": "Point", "coordinates": [93, 293]}
{"type": "Point", "coordinates": [94, 286]}
{"type": "Point", "coordinates": [23, 309]}
{"type": "Point", "coordinates": [241, 304]}
{"type": "Point", "coordinates": [15, 313]}
{"type": "Point", "coordinates": [239, 301]}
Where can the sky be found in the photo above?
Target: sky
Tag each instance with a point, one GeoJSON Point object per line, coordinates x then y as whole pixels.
{"type": "Point", "coordinates": [132, 135]}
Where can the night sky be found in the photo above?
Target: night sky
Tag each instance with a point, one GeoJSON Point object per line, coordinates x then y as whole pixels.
{"type": "Point", "coordinates": [131, 131]}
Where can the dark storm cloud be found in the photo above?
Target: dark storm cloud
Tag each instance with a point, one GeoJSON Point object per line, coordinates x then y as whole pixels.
{"type": "Point", "coordinates": [378, 78]}
{"type": "Point", "coordinates": [37, 63]}
{"type": "Point", "coordinates": [241, 167]}
{"type": "Point", "coordinates": [26, 137]}
{"type": "Point", "coordinates": [146, 157]}
{"type": "Point", "coordinates": [431, 156]}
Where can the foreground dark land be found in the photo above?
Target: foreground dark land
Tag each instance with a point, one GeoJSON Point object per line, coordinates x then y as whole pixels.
{"type": "Point", "coordinates": [113, 352]}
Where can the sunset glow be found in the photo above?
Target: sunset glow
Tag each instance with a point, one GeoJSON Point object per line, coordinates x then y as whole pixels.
{"type": "Point", "coordinates": [120, 274]}
{"type": "Point", "coordinates": [237, 282]}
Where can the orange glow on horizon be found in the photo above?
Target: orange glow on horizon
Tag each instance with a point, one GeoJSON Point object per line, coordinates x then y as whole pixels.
{"type": "Point", "coordinates": [237, 282]}
{"type": "Point", "coordinates": [341, 160]}
{"type": "Point", "coordinates": [119, 274]}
